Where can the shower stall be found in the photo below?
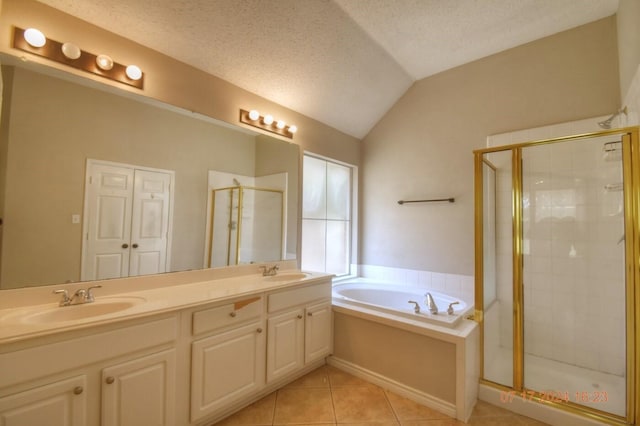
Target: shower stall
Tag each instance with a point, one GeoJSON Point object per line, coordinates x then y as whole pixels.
{"type": "Point", "coordinates": [557, 272]}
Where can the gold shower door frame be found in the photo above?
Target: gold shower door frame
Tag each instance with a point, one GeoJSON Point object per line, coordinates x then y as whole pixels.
{"type": "Point", "coordinates": [631, 188]}
{"type": "Point", "coordinates": [229, 235]}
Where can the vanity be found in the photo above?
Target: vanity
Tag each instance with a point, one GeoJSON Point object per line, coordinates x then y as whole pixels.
{"type": "Point", "coordinates": [186, 348]}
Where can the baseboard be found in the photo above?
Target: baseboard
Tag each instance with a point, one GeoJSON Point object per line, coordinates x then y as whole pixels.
{"type": "Point", "coordinates": [396, 387]}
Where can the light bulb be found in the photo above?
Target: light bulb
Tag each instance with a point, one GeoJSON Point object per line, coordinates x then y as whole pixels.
{"type": "Point", "coordinates": [34, 37]}
{"type": "Point", "coordinates": [104, 62]}
{"type": "Point", "coordinates": [254, 115]}
{"type": "Point", "coordinates": [133, 72]}
{"type": "Point", "coordinates": [293, 129]}
{"type": "Point", "coordinates": [280, 124]}
{"type": "Point", "coordinates": [268, 119]}
{"type": "Point", "coordinates": [71, 51]}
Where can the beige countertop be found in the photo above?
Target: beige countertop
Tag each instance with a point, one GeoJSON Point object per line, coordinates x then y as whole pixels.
{"type": "Point", "coordinates": [19, 323]}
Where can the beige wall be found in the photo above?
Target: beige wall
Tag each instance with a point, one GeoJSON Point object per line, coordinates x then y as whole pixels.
{"type": "Point", "coordinates": [167, 79]}
{"type": "Point", "coordinates": [417, 361]}
{"type": "Point", "coordinates": [55, 126]}
{"type": "Point", "coordinates": [423, 147]}
{"type": "Point", "coordinates": [270, 156]}
{"type": "Point", "coordinates": [628, 20]}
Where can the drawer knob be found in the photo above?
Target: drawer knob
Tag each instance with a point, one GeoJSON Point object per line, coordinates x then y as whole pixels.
{"type": "Point", "coordinates": [110, 380]}
{"type": "Point", "coordinates": [232, 314]}
{"type": "Point", "coordinates": [259, 330]}
{"type": "Point", "coordinates": [78, 390]}
{"type": "Point", "coordinates": [299, 316]}
{"type": "Point", "coordinates": [309, 314]}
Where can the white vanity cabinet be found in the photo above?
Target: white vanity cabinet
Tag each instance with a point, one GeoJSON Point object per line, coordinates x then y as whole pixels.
{"type": "Point", "coordinates": [299, 328]}
{"type": "Point", "coordinates": [140, 392]}
{"type": "Point", "coordinates": [58, 382]}
{"type": "Point", "coordinates": [228, 364]}
{"type": "Point", "coordinates": [61, 403]}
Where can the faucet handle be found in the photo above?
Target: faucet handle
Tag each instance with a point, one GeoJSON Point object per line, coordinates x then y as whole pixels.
{"type": "Point", "coordinates": [65, 297]}
{"type": "Point", "coordinates": [450, 310]}
{"type": "Point", "coordinates": [90, 297]}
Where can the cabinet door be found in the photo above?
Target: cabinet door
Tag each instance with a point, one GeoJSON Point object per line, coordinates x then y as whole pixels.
{"type": "Point", "coordinates": [285, 341]}
{"type": "Point", "coordinates": [318, 336]}
{"type": "Point", "coordinates": [225, 367]}
{"type": "Point", "coordinates": [61, 403]}
{"type": "Point", "coordinates": [140, 392]}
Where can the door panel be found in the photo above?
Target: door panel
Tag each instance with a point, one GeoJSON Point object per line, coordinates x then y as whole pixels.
{"type": "Point", "coordinates": [149, 223]}
{"type": "Point", "coordinates": [126, 221]}
{"type": "Point", "coordinates": [107, 220]}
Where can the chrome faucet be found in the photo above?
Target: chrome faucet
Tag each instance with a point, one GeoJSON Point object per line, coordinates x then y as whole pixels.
{"type": "Point", "coordinates": [80, 296]}
{"type": "Point", "coordinates": [431, 304]}
{"type": "Point", "coordinates": [269, 271]}
{"type": "Point", "coordinates": [416, 307]}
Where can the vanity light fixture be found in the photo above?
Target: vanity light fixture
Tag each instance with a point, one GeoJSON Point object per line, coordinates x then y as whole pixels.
{"type": "Point", "coordinates": [267, 122]}
{"type": "Point", "coordinates": [34, 37]}
{"type": "Point", "coordinates": [254, 115]}
{"type": "Point", "coordinates": [134, 72]}
{"type": "Point", "coordinates": [71, 51]}
{"type": "Point", "coordinates": [104, 62]}
{"type": "Point", "coordinates": [33, 41]}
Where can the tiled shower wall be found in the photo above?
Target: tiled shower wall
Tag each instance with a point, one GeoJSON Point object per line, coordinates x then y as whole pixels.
{"type": "Point", "coordinates": [574, 275]}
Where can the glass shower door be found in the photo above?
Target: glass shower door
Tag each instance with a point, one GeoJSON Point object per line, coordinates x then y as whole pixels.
{"type": "Point", "coordinates": [573, 255]}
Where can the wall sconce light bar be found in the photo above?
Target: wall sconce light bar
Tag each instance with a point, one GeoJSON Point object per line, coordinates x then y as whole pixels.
{"type": "Point", "coordinates": [267, 122]}
{"type": "Point", "coordinates": [85, 61]}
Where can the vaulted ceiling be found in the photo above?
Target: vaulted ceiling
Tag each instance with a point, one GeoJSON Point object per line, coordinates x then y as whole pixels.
{"type": "Point", "coordinates": [341, 62]}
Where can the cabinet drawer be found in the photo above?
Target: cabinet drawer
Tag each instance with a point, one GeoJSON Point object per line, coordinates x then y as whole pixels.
{"type": "Point", "coordinates": [227, 314]}
{"type": "Point", "coordinates": [298, 296]}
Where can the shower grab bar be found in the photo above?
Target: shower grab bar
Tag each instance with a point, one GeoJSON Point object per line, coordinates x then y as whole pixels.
{"type": "Point", "coordinates": [610, 146]}
{"type": "Point", "coordinates": [434, 200]}
{"type": "Point", "coordinates": [614, 187]}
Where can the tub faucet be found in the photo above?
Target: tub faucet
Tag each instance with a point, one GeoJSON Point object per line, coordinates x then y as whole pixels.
{"type": "Point", "coordinates": [416, 307]}
{"type": "Point", "coordinates": [431, 304]}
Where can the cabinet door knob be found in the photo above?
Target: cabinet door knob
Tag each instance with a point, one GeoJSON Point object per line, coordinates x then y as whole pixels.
{"type": "Point", "coordinates": [259, 330]}
{"type": "Point", "coordinates": [299, 316]}
{"type": "Point", "coordinates": [78, 390]}
{"type": "Point", "coordinates": [309, 314]}
{"type": "Point", "coordinates": [232, 314]}
{"type": "Point", "coordinates": [110, 380]}
{"type": "Point", "coordinates": [134, 245]}
{"type": "Point", "coordinates": [125, 245]}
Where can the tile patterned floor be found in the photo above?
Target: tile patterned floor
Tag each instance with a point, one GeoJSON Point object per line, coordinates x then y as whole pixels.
{"type": "Point", "coordinates": [328, 396]}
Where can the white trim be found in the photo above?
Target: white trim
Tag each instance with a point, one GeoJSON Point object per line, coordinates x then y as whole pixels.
{"type": "Point", "coordinates": [413, 394]}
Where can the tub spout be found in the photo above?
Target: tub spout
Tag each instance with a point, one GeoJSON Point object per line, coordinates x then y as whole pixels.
{"type": "Point", "coordinates": [431, 304]}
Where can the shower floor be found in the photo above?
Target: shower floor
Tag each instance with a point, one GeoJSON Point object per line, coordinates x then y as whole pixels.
{"type": "Point", "coordinates": [588, 387]}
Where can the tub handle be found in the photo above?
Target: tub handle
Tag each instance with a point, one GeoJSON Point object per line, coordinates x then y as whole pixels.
{"type": "Point", "coordinates": [416, 308]}
{"type": "Point", "coordinates": [450, 310]}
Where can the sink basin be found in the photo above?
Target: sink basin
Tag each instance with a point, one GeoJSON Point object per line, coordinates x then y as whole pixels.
{"type": "Point", "coordinates": [293, 276]}
{"type": "Point", "coordinates": [77, 312]}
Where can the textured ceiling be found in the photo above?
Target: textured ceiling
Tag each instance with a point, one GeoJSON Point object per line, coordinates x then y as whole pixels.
{"type": "Point", "coordinates": [341, 62]}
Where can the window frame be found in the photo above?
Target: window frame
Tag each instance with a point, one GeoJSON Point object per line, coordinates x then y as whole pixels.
{"type": "Point", "coordinates": [352, 255]}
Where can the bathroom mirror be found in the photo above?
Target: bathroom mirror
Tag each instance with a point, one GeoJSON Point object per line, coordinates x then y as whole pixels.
{"type": "Point", "coordinates": [57, 128]}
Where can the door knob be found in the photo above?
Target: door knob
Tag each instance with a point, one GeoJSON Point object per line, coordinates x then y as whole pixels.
{"type": "Point", "coordinates": [134, 245]}
{"type": "Point", "coordinates": [125, 245]}
{"type": "Point", "coordinates": [78, 390]}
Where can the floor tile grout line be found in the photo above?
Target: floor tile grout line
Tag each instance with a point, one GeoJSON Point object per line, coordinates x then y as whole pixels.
{"type": "Point", "coordinates": [393, 410]}
{"type": "Point", "coordinates": [275, 407]}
